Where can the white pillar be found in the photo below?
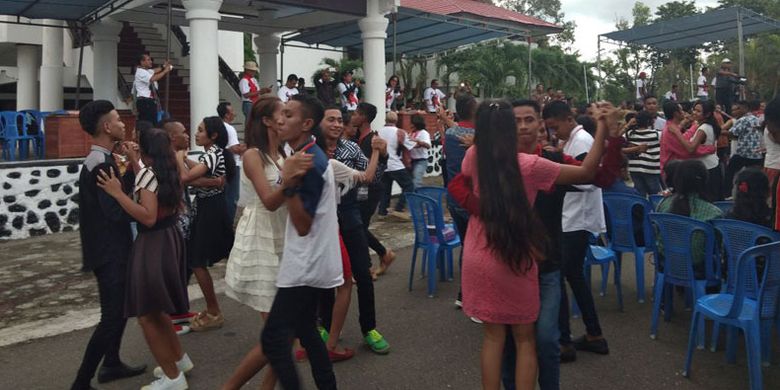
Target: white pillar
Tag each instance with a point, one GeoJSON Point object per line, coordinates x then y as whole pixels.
{"type": "Point", "coordinates": [267, 53]}
{"type": "Point", "coordinates": [105, 37]}
{"type": "Point", "coordinates": [27, 62]}
{"type": "Point", "coordinates": [374, 33]}
{"type": "Point", "coordinates": [51, 67]}
{"type": "Point", "coordinates": [203, 17]}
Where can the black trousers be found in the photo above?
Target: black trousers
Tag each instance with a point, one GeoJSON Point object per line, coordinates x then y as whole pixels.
{"type": "Point", "coordinates": [573, 248]}
{"type": "Point", "coordinates": [294, 314]}
{"type": "Point", "coordinates": [367, 209]}
{"type": "Point", "coordinates": [404, 180]}
{"type": "Point", "coordinates": [357, 247]}
{"type": "Point", "coordinates": [724, 97]}
{"type": "Point", "coordinates": [147, 109]}
{"type": "Point", "coordinates": [107, 337]}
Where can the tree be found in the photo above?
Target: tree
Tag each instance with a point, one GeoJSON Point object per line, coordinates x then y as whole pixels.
{"type": "Point", "coordinates": [249, 52]}
{"type": "Point", "coordinates": [547, 10]}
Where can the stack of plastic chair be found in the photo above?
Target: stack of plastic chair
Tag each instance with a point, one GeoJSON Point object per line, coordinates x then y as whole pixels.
{"type": "Point", "coordinates": [751, 307]}
{"type": "Point", "coordinates": [429, 236]}
{"type": "Point", "coordinates": [619, 209]}
{"type": "Point", "coordinates": [738, 236]}
{"type": "Point", "coordinates": [655, 200]}
{"type": "Point", "coordinates": [725, 206]}
{"type": "Point", "coordinates": [677, 236]}
{"type": "Point", "coordinates": [13, 133]}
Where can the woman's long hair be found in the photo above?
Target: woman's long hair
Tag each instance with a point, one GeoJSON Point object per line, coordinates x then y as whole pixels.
{"type": "Point", "coordinates": [511, 226]}
{"type": "Point", "coordinates": [215, 125]}
{"type": "Point", "coordinates": [156, 145]}
{"type": "Point", "coordinates": [257, 131]}
{"type": "Point", "coordinates": [690, 179]}
{"type": "Point", "coordinates": [751, 189]}
{"type": "Point", "coordinates": [708, 110]}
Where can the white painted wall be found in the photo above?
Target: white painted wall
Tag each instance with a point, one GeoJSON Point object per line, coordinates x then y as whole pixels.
{"type": "Point", "coordinates": [16, 33]}
{"type": "Point", "coordinates": [303, 62]}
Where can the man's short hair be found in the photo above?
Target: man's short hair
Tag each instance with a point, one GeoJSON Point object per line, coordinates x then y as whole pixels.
{"type": "Point", "coordinates": [332, 107]}
{"type": "Point", "coordinates": [311, 107]}
{"type": "Point", "coordinates": [222, 109]}
{"type": "Point", "coordinates": [368, 110]}
{"type": "Point", "coordinates": [644, 119]}
{"type": "Point", "coordinates": [292, 77]}
{"type": "Point", "coordinates": [434, 81]}
{"type": "Point", "coordinates": [650, 97]}
{"type": "Point", "coordinates": [704, 69]}
{"type": "Point", "coordinates": [528, 103]}
{"type": "Point", "coordinates": [466, 106]}
{"type": "Point", "coordinates": [418, 121]}
{"type": "Point", "coordinates": [670, 108]}
{"type": "Point", "coordinates": [557, 109]}
{"type": "Point", "coordinates": [165, 124]}
{"type": "Point", "coordinates": [754, 104]}
{"type": "Point", "coordinates": [674, 86]}
{"type": "Point", "coordinates": [391, 117]}
{"type": "Point", "coordinates": [141, 57]}
{"type": "Point", "coordinates": [91, 114]}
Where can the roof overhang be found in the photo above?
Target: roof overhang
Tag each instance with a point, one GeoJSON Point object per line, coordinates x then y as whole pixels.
{"type": "Point", "coordinates": [715, 25]}
{"type": "Point", "coordinates": [85, 11]}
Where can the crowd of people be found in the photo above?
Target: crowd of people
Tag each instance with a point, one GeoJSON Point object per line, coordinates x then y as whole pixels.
{"type": "Point", "coordinates": [525, 180]}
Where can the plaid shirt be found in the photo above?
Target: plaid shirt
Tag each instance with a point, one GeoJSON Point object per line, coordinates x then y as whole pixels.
{"type": "Point", "coordinates": [750, 135]}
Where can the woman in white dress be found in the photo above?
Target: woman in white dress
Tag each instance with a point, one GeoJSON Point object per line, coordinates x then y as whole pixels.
{"type": "Point", "coordinates": [254, 260]}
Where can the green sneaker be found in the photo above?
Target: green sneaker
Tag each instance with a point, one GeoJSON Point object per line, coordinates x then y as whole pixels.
{"type": "Point", "coordinates": [323, 334]}
{"type": "Point", "coordinates": [377, 342]}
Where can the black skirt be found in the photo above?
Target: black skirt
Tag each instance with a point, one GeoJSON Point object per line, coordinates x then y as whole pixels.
{"type": "Point", "coordinates": [157, 271]}
{"type": "Point", "coordinates": [211, 232]}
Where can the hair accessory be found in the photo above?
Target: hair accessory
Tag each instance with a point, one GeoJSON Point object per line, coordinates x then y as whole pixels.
{"type": "Point", "coordinates": [743, 187]}
{"type": "Point", "coordinates": [494, 106]}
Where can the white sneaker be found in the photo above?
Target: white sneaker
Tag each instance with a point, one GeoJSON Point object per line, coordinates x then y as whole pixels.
{"type": "Point", "coordinates": [475, 320]}
{"type": "Point", "coordinates": [184, 365]}
{"type": "Point", "coordinates": [165, 383]}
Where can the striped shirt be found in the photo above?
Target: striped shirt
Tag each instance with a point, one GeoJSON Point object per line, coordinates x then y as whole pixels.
{"type": "Point", "coordinates": [214, 160]}
{"type": "Point", "coordinates": [648, 161]}
{"type": "Point", "coordinates": [145, 180]}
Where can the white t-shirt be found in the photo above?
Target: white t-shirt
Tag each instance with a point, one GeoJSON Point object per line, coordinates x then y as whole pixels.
{"type": "Point", "coordinates": [701, 83]}
{"type": "Point", "coordinates": [772, 158]}
{"type": "Point", "coordinates": [433, 98]}
{"type": "Point", "coordinates": [582, 210]}
{"type": "Point", "coordinates": [390, 96]}
{"type": "Point", "coordinates": [286, 93]}
{"type": "Point", "coordinates": [671, 96]}
{"type": "Point", "coordinates": [348, 100]}
{"type": "Point", "coordinates": [141, 82]}
{"type": "Point", "coordinates": [639, 84]}
{"type": "Point", "coordinates": [390, 134]}
{"type": "Point", "coordinates": [346, 178]}
{"type": "Point", "coordinates": [659, 123]}
{"type": "Point", "coordinates": [232, 140]}
{"type": "Point", "coordinates": [711, 160]}
{"type": "Point", "coordinates": [420, 152]}
{"type": "Point", "coordinates": [243, 86]}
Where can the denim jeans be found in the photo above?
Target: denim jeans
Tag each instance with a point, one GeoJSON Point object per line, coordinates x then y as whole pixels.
{"type": "Point", "coordinates": [246, 108]}
{"type": "Point", "coordinates": [646, 183]}
{"type": "Point", "coordinates": [573, 248]}
{"type": "Point", "coordinates": [418, 171]}
{"type": "Point", "coordinates": [404, 180]}
{"type": "Point", "coordinates": [294, 314]}
{"type": "Point", "coordinates": [547, 335]}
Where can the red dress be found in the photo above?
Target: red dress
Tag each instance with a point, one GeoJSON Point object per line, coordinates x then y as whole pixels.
{"type": "Point", "coordinates": [492, 292]}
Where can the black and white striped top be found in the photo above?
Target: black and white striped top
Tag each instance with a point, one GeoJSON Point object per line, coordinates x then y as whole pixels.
{"type": "Point", "coordinates": [214, 160]}
{"type": "Point", "coordinates": [649, 161]}
{"type": "Point", "coordinates": [145, 180]}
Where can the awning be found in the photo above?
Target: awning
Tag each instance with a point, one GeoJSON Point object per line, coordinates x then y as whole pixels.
{"type": "Point", "coordinates": [426, 27]}
{"type": "Point", "coordinates": [716, 25]}
{"type": "Point", "coordinates": [68, 10]}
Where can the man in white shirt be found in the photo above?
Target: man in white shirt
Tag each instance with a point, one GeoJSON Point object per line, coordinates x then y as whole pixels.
{"type": "Point", "coordinates": [145, 87]}
{"type": "Point", "coordinates": [348, 92]}
{"type": "Point", "coordinates": [672, 94]}
{"type": "Point", "coordinates": [250, 88]}
{"type": "Point", "coordinates": [433, 96]}
{"type": "Point", "coordinates": [641, 87]}
{"type": "Point", "coordinates": [702, 87]}
{"type": "Point", "coordinates": [233, 188]}
{"type": "Point", "coordinates": [396, 171]}
{"type": "Point", "coordinates": [419, 154]}
{"type": "Point", "coordinates": [583, 215]}
{"type": "Point", "coordinates": [651, 106]}
{"type": "Point", "coordinates": [289, 89]}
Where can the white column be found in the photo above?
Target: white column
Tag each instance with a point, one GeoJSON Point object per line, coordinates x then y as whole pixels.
{"type": "Point", "coordinates": [267, 53]}
{"type": "Point", "coordinates": [28, 63]}
{"type": "Point", "coordinates": [105, 37]}
{"type": "Point", "coordinates": [374, 33]}
{"type": "Point", "coordinates": [51, 67]}
{"type": "Point", "coordinates": [203, 17]}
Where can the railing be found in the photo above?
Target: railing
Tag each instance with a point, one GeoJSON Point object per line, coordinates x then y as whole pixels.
{"type": "Point", "coordinates": [224, 69]}
{"type": "Point", "coordinates": [125, 90]}
{"type": "Point", "coordinates": [182, 38]}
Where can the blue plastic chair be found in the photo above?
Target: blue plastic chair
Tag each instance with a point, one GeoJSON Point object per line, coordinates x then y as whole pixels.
{"type": "Point", "coordinates": [677, 235]}
{"type": "Point", "coordinates": [38, 138]}
{"type": "Point", "coordinates": [13, 136]}
{"type": "Point", "coordinates": [428, 221]}
{"type": "Point", "coordinates": [655, 200]}
{"type": "Point", "coordinates": [619, 209]}
{"type": "Point", "coordinates": [738, 236]}
{"type": "Point", "coordinates": [603, 256]}
{"type": "Point", "coordinates": [435, 193]}
{"type": "Point", "coordinates": [724, 205]}
{"type": "Point", "coordinates": [742, 309]}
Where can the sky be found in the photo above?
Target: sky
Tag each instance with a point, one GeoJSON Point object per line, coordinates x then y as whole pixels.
{"type": "Point", "coordinates": [599, 17]}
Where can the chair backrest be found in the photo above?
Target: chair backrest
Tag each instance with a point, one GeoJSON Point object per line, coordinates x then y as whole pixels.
{"type": "Point", "coordinates": [769, 288]}
{"type": "Point", "coordinates": [677, 233]}
{"type": "Point", "coordinates": [738, 236]}
{"type": "Point", "coordinates": [655, 200]}
{"type": "Point", "coordinates": [620, 211]}
{"type": "Point", "coordinates": [435, 193]}
{"type": "Point", "coordinates": [426, 215]}
{"type": "Point", "coordinates": [10, 122]}
{"type": "Point", "coordinates": [724, 205]}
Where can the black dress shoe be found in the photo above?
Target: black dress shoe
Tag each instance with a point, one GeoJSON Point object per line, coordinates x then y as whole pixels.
{"type": "Point", "coordinates": [108, 374]}
{"type": "Point", "coordinates": [596, 346]}
{"type": "Point", "coordinates": [568, 353]}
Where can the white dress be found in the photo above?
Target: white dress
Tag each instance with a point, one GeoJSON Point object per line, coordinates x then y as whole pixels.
{"type": "Point", "coordinates": [254, 260]}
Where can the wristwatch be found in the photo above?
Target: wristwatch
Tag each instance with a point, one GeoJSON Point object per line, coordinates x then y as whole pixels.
{"type": "Point", "coordinates": [289, 192]}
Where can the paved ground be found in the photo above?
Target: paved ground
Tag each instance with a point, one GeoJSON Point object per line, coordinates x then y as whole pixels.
{"type": "Point", "coordinates": [433, 345]}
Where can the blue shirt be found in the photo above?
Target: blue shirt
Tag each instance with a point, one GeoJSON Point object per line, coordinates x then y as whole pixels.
{"type": "Point", "coordinates": [750, 134]}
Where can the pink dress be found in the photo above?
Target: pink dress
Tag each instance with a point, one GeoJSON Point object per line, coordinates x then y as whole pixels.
{"type": "Point", "coordinates": [493, 292]}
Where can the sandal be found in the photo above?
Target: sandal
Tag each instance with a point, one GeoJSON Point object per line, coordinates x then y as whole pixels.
{"type": "Point", "coordinates": [205, 321]}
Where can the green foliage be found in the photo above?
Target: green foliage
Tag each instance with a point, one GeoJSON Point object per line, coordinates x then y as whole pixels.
{"type": "Point", "coordinates": [547, 10]}
{"type": "Point", "coordinates": [249, 52]}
